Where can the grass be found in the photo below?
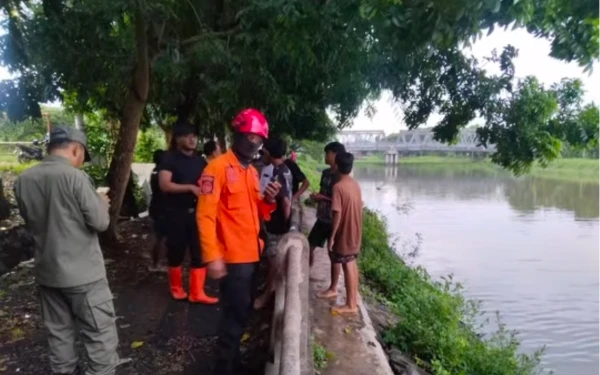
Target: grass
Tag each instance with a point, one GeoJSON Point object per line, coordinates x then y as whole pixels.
{"type": "Point", "coordinates": [580, 170]}
{"type": "Point", "coordinates": [438, 324]}
{"type": "Point", "coordinates": [321, 355]}
{"type": "Point", "coordinates": [8, 158]}
{"type": "Point", "coordinates": [14, 168]}
{"type": "Point", "coordinates": [312, 169]}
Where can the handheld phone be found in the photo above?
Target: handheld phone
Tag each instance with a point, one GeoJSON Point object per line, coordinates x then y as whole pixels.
{"type": "Point", "coordinates": [274, 176]}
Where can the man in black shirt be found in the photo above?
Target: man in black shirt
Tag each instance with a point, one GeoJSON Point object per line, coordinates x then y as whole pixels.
{"type": "Point", "coordinates": [321, 231]}
{"type": "Point", "coordinates": [157, 213]}
{"type": "Point", "coordinates": [273, 154]}
{"type": "Point", "coordinates": [299, 181]}
{"type": "Point", "coordinates": [179, 172]}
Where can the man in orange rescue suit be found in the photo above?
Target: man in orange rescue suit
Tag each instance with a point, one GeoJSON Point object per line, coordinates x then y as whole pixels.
{"type": "Point", "coordinates": [229, 211]}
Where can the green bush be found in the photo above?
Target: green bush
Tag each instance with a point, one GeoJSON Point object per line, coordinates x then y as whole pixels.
{"type": "Point", "coordinates": [438, 324]}
{"type": "Point", "coordinates": [97, 173]}
{"type": "Point", "coordinates": [312, 169]}
{"type": "Point", "coordinates": [141, 201]}
{"type": "Point", "coordinates": [149, 141]}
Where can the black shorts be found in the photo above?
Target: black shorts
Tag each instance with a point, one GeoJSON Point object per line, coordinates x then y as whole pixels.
{"type": "Point", "coordinates": [160, 226]}
{"type": "Point", "coordinates": [319, 234]}
{"type": "Point", "coordinates": [337, 258]}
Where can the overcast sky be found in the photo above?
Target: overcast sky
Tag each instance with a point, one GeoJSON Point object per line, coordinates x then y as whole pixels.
{"type": "Point", "coordinates": [533, 60]}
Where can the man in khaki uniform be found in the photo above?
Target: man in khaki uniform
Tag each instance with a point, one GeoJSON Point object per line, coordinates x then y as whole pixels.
{"type": "Point", "coordinates": [64, 214]}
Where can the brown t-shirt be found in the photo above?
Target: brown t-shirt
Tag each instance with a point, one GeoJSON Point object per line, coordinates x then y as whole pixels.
{"type": "Point", "coordinates": [347, 202]}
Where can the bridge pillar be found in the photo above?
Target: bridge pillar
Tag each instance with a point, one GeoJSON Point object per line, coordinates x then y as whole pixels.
{"type": "Point", "coordinates": [391, 157]}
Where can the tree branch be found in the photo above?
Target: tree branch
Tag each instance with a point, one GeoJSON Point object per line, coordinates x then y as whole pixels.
{"type": "Point", "coordinates": [206, 36]}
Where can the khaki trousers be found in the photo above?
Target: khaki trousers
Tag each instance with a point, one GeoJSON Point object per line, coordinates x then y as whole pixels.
{"type": "Point", "coordinates": [88, 309]}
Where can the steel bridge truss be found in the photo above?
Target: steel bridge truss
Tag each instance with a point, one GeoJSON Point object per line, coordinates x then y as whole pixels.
{"type": "Point", "coordinates": [360, 136]}
{"type": "Point", "coordinates": [410, 141]}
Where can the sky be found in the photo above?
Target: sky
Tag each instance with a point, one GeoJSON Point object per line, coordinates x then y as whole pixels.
{"type": "Point", "coordinates": [533, 60]}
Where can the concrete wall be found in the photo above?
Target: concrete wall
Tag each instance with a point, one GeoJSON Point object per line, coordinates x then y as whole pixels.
{"type": "Point", "coordinates": [290, 348]}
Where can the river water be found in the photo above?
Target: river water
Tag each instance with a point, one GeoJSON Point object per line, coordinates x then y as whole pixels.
{"type": "Point", "coordinates": [525, 247]}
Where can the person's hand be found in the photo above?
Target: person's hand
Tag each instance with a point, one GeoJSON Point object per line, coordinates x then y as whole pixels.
{"type": "Point", "coordinates": [105, 198]}
{"type": "Point", "coordinates": [330, 245]}
{"type": "Point", "coordinates": [194, 189]}
{"type": "Point", "coordinates": [295, 198]}
{"type": "Point", "coordinates": [315, 196]}
{"type": "Point", "coordinates": [216, 269]}
{"type": "Point", "coordinates": [271, 191]}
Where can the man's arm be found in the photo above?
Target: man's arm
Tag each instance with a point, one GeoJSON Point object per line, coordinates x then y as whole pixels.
{"type": "Point", "coordinates": [211, 184]}
{"type": "Point", "coordinates": [298, 176]}
{"type": "Point", "coordinates": [92, 206]}
{"type": "Point", "coordinates": [336, 213]}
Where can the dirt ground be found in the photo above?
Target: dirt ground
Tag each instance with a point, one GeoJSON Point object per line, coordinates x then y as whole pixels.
{"type": "Point", "coordinates": [161, 336]}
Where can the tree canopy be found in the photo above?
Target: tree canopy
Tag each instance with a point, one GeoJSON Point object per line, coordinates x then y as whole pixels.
{"type": "Point", "coordinates": [297, 59]}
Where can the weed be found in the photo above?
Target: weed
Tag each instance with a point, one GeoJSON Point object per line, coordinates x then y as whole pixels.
{"type": "Point", "coordinates": [320, 355]}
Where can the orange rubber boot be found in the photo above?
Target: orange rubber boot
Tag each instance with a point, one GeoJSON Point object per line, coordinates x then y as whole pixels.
{"type": "Point", "coordinates": [176, 283]}
{"type": "Point", "coordinates": [197, 295]}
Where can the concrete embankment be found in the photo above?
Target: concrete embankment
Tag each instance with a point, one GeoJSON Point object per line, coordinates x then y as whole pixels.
{"type": "Point", "coordinates": [351, 342]}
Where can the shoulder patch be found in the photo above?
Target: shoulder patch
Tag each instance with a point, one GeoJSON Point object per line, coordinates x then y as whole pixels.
{"type": "Point", "coordinates": [207, 184]}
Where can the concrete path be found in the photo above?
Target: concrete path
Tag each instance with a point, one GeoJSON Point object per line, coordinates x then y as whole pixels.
{"type": "Point", "coordinates": [351, 342]}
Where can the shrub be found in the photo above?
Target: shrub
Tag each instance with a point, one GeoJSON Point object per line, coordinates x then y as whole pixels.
{"type": "Point", "coordinates": [438, 324]}
{"type": "Point", "coordinates": [149, 141]}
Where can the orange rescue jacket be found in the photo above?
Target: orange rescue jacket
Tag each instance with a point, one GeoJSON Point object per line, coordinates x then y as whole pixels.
{"type": "Point", "coordinates": [229, 210]}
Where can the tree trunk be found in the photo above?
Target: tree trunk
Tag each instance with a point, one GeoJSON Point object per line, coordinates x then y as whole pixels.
{"type": "Point", "coordinates": [79, 124]}
{"type": "Point", "coordinates": [4, 203]}
{"type": "Point", "coordinates": [120, 165]}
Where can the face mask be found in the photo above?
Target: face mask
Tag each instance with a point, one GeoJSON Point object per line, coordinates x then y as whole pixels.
{"type": "Point", "coordinates": [244, 147]}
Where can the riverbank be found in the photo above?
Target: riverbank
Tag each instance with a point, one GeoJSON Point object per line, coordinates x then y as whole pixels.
{"type": "Point", "coordinates": [581, 170]}
{"type": "Point", "coordinates": [436, 324]}
{"type": "Point", "coordinates": [431, 322]}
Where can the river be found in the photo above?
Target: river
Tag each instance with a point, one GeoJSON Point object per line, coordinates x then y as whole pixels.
{"type": "Point", "coordinates": [527, 248]}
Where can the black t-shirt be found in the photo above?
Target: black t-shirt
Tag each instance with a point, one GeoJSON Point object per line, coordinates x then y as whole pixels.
{"type": "Point", "coordinates": [278, 223]}
{"type": "Point", "coordinates": [186, 170]}
{"type": "Point", "coordinates": [298, 177]}
{"type": "Point", "coordinates": [328, 179]}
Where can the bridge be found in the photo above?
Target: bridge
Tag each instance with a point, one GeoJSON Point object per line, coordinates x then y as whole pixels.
{"type": "Point", "coordinates": [410, 141]}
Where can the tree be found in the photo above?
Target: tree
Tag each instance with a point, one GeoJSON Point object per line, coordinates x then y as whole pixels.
{"type": "Point", "coordinates": [201, 61]}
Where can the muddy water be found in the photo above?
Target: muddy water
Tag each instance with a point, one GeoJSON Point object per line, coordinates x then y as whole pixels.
{"type": "Point", "coordinates": [527, 248]}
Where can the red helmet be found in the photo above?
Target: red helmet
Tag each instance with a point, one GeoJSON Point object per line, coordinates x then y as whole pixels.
{"type": "Point", "coordinates": [251, 121]}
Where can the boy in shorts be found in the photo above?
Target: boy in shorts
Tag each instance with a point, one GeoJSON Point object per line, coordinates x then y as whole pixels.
{"type": "Point", "coordinates": [346, 235]}
{"type": "Point", "coordinates": [321, 231]}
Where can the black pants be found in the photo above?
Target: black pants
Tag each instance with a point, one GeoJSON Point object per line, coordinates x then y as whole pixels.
{"type": "Point", "coordinates": [237, 296]}
{"type": "Point", "coordinates": [182, 234]}
{"type": "Point", "coordinates": [319, 234]}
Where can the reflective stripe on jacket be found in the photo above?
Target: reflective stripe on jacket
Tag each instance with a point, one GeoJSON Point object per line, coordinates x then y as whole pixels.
{"type": "Point", "coordinates": [229, 210]}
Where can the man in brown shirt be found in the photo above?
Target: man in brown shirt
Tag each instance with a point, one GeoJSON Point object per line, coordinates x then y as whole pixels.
{"type": "Point", "coordinates": [346, 236]}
